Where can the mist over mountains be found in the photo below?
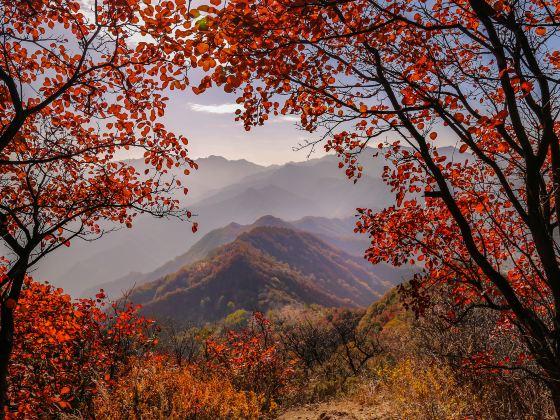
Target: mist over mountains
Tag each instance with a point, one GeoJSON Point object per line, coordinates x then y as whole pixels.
{"type": "Point", "coordinates": [336, 233]}
{"type": "Point", "coordinates": [229, 198]}
{"type": "Point", "coordinates": [220, 192]}
{"type": "Point", "coordinates": [266, 267]}
{"type": "Point", "coordinates": [268, 236]}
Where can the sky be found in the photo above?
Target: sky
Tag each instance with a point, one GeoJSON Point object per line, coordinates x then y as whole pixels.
{"type": "Point", "coordinates": [208, 121]}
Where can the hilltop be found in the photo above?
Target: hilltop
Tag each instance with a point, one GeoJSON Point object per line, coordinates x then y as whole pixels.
{"type": "Point", "coordinates": [265, 268]}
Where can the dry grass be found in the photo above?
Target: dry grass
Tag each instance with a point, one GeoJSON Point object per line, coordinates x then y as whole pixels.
{"type": "Point", "coordinates": [158, 391]}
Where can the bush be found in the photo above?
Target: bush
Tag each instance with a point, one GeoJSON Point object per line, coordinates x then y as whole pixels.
{"type": "Point", "coordinates": [156, 389]}
{"type": "Point", "coordinates": [418, 391]}
{"type": "Point", "coordinates": [251, 360]}
{"type": "Point", "coordinates": [329, 349]}
{"type": "Point", "coordinates": [63, 349]}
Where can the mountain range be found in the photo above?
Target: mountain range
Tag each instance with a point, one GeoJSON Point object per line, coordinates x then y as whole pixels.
{"type": "Point", "coordinates": [338, 233]}
{"type": "Point", "coordinates": [223, 192]}
{"type": "Point", "coordinates": [316, 193]}
{"type": "Point", "coordinates": [265, 267]}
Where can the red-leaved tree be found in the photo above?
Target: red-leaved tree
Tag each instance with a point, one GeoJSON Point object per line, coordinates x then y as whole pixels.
{"type": "Point", "coordinates": [413, 76]}
{"type": "Point", "coordinates": [250, 358]}
{"type": "Point", "coordinates": [82, 85]}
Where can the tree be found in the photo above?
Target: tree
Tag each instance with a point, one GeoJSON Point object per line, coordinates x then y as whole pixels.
{"type": "Point", "coordinates": [181, 341]}
{"type": "Point", "coordinates": [251, 359]}
{"type": "Point", "coordinates": [79, 89]}
{"type": "Point", "coordinates": [482, 75]}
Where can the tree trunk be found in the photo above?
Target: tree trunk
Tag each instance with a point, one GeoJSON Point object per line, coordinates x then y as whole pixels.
{"type": "Point", "coordinates": [554, 388]}
{"type": "Point", "coordinates": [7, 308]}
{"type": "Point", "coordinates": [6, 345]}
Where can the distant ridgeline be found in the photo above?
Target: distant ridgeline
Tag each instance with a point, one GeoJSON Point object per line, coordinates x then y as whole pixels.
{"type": "Point", "coordinates": [221, 191]}
{"type": "Point", "coordinates": [266, 265]}
{"type": "Point", "coordinates": [227, 197]}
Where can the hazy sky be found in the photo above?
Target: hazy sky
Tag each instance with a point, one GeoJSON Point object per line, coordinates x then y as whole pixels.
{"type": "Point", "coordinates": [208, 121]}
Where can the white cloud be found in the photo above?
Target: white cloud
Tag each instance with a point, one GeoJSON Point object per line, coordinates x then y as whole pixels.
{"type": "Point", "coordinates": [285, 119]}
{"type": "Point", "coordinates": [290, 118]}
{"type": "Point", "coordinates": [214, 109]}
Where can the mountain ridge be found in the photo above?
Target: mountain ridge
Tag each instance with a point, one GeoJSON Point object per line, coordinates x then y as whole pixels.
{"type": "Point", "coordinates": [228, 233]}
{"type": "Point", "coordinates": [320, 190]}
{"type": "Point", "coordinates": [264, 268]}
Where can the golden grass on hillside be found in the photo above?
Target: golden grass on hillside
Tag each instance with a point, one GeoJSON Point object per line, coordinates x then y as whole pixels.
{"type": "Point", "coordinates": [157, 391]}
{"type": "Point", "coordinates": [417, 391]}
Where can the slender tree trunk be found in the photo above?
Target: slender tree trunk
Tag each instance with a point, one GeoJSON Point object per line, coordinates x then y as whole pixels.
{"type": "Point", "coordinates": [6, 345]}
{"type": "Point", "coordinates": [7, 308]}
{"type": "Point", "coordinates": [551, 379]}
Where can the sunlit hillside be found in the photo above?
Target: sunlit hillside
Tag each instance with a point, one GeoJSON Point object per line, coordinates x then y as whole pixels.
{"type": "Point", "coordinates": [279, 209]}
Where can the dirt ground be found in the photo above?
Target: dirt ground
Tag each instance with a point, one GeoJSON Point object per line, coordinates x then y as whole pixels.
{"type": "Point", "coordinates": [336, 410]}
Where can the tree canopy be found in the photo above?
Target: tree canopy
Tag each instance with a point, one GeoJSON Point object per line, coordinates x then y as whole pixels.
{"type": "Point", "coordinates": [82, 86]}
{"type": "Point", "coordinates": [411, 77]}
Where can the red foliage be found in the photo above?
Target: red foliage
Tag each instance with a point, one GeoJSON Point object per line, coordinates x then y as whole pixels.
{"type": "Point", "coordinates": [250, 359]}
{"type": "Point", "coordinates": [64, 349]}
{"type": "Point", "coordinates": [82, 85]}
{"type": "Point", "coordinates": [482, 75]}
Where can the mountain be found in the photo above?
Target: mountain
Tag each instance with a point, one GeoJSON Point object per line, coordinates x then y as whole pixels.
{"type": "Point", "coordinates": [336, 232]}
{"type": "Point", "coordinates": [223, 192]}
{"type": "Point", "coordinates": [150, 242]}
{"type": "Point", "coordinates": [341, 274]}
{"type": "Point", "coordinates": [253, 202]}
{"type": "Point", "coordinates": [213, 173]}
{"type": "Point", "coordinates": [264, 268]}
{"type": "Point", "coordinates": [238, 276]}
{"type": "Point", "coordinates": [320, 183]}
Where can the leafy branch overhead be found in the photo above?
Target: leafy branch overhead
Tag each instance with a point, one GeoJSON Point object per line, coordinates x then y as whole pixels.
{"type": "Point", "coordinates": [409, 77]}
{"type": "Point", "coordinates": [81, 85]}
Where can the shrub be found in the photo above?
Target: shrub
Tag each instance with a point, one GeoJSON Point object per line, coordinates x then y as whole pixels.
{"type": "Point", "coordinates": [251, 360]}
{"type": "Point", "coordinates": [329, 349]}
{"type": "Point", "coordinates": [419, 391]}
{"type": "Point", "coordinates": [155, 389]}
{"type": "Point", "coordinates": [64, 349]}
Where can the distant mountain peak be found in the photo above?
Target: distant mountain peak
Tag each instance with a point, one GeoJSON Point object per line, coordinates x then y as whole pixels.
{"type": "Point", "coordinates": [233, 225]}
{"type": "Point", "coordinates": [266, 267]}
{"type": "Point", "coordinates": [221, 160]}
{"type": "Point", "coordinates": [215, 157]}
{"type": "Point", "coordinates": [270, 220]}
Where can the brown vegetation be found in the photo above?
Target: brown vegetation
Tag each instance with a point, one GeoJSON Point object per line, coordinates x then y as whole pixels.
{"type": "Point", "coordinates": [112, 365]}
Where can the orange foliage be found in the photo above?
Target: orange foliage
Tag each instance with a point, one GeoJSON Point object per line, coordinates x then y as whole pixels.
{"type": "Point", "coordinates": [69, 107]}
{"type": "Point", "coordinates": [89, 357]}
{"type": "Point", "coordinates": [82, 85]}
{"type": "Point", "coordinates": [411, 77]}
{"type": "Point", "coordinates": [110, 66]}
{"type": "Point", "coordinates": [63, 350]}
{"type": "Point", "coordinates": [156, 389]}
{"type": "Point", "coordinates": [251, 360]}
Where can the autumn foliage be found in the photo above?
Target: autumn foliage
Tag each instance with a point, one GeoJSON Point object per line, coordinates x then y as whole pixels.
{"type": "Point", "coordinates": [250, 358]}
{"type": "Point", "coordinates": [91, 357]}
{"type": "Point", "coordinates": [410, 77]}
{"type": "Point", "coordinates": [155, 389]}
{"type": "Point", "coordinates": [79, 87]}
{"type": "Point", "coordinates": [78, 92]}
{"type": "Point", "coordinates": [82, 86]}
{"type": "Point", "coordinates": [64, 349]}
